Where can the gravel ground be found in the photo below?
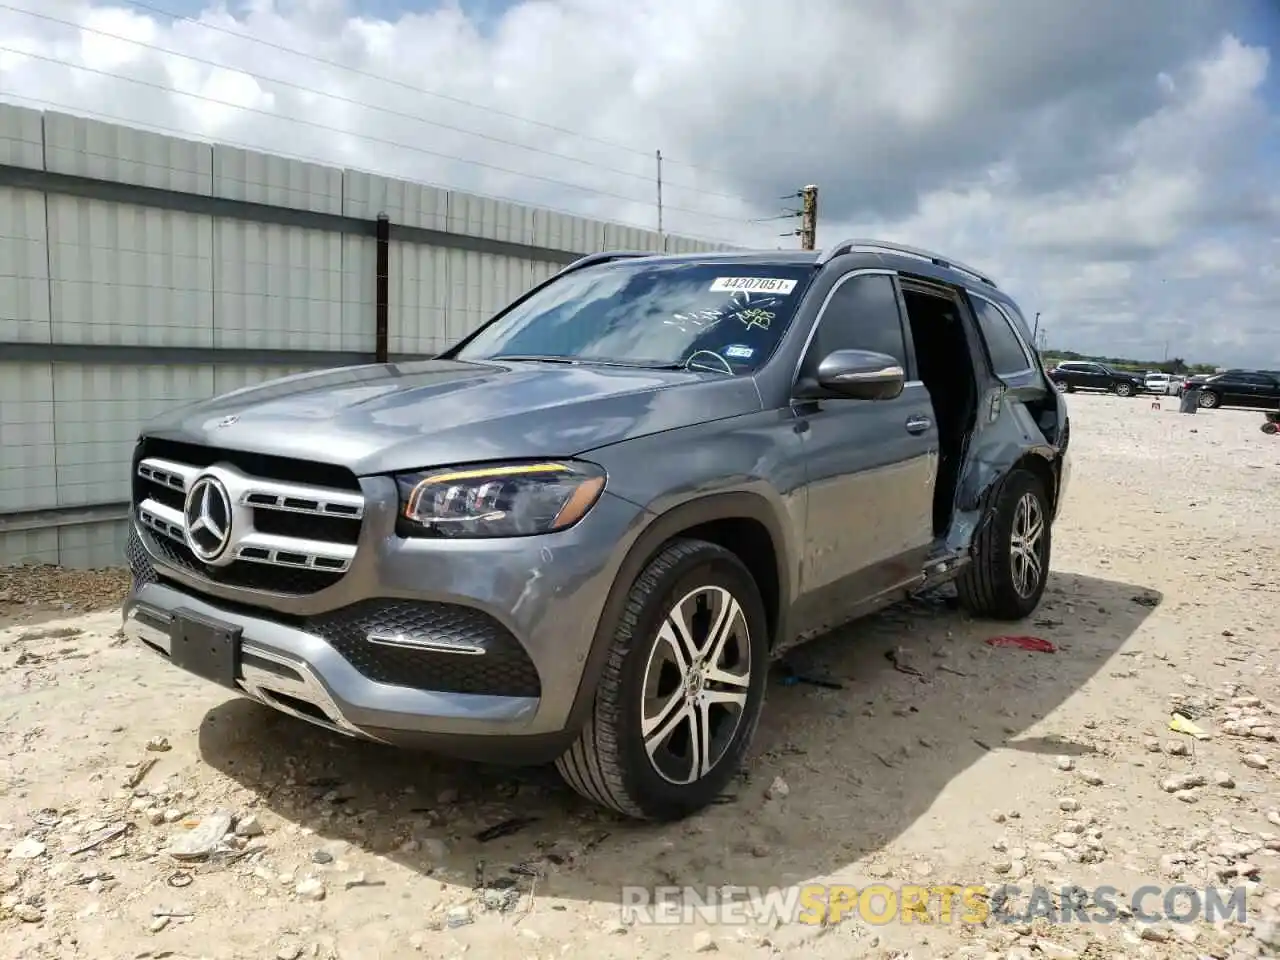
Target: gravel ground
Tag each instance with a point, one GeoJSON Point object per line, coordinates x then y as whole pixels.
{"type": "Point", "coordinates": [144, 814]}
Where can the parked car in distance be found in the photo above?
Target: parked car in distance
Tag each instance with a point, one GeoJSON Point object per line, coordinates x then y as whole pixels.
{"type": "Point", "coordinates": [1241, 388]}
{"type": "Point", "coordinates": [1161, 383]}
{"type": "Point", "coordinates": [1195, 380]}
{"type": "Point", "coordinates": [1071, 375]}
{"type": "Point", "coordinates": [582, 532]}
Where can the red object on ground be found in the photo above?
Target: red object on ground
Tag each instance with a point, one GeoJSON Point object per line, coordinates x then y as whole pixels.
{"type": "Point", "coordinates": [1034, 644]}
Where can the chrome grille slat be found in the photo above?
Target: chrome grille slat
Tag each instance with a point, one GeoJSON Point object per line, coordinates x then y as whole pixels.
{"type": "Point", "coordinates": [274, 547]}
{"type": "Point", "coordinates": [254, 499]}
{"type": "Point", "coordinates": [175, 476]}
{"type": "Point", "coordinates": [164, 520]}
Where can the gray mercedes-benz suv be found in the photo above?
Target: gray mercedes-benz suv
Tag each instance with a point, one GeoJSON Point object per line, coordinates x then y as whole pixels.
{"type": "Point", "coordinates": [583, 532]}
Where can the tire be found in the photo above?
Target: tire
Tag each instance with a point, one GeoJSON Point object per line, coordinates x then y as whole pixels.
{"type": "Point", "coordinates": [1271, 427]}
{"type": "Point", "coordinates": [609, 763]}
{"type": "Point", "coordinates": [988, 587]}
{"type": "Point", "coordinates": [1124, 390]}
{"type": "Point", "coordinates": [1208, 400]}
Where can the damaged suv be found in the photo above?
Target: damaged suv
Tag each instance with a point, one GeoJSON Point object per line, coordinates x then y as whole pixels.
{"type": "Point", "coordinates": [583, 532]}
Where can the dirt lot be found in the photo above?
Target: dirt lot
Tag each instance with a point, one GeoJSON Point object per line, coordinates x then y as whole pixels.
{"type": "Point", "coordinates": [963, 763]}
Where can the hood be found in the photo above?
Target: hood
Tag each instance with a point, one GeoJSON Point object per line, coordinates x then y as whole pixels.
{"type": "Point", "coordinates": [381, 418]}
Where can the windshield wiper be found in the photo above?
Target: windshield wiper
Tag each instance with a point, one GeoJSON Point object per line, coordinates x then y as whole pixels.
{"type": "Point", "coordinates": [593, 362]}
{"type": "Point", "coordinates": [534, 358]}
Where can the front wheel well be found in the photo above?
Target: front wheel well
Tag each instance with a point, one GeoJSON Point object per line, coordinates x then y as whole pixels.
{"type": "Point", "coordinates": [752, 543]}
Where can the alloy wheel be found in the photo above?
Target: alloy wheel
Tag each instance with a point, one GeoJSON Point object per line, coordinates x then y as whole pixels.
{"type": "Point", "coordinates": [1026, 545]}
{"type": "Point", "coordinates": [695, 684]}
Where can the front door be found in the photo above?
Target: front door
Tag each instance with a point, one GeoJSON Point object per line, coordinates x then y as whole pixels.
{"type": "Point", "coordinates": [872, 464]}
{"type": "Point", "coordinates": [1096, 378]}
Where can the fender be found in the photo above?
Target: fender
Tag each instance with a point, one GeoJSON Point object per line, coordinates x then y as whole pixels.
{"type": "Point", "coordinates": [660, 529]}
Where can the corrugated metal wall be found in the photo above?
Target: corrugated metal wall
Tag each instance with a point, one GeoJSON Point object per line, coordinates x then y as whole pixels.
{"type": "Point", "coordinates": [130, 261]}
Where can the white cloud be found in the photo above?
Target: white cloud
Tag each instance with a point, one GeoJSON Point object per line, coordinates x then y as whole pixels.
{"type": "Point", "coordinates": [1112, 164]}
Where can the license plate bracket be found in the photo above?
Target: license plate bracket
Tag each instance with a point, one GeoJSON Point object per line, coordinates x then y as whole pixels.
{"type": "Point", "coordinates": [205, 647]}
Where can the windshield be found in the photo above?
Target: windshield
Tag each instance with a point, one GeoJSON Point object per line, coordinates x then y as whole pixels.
{"type": "Point", "coordinates": [718, 316]}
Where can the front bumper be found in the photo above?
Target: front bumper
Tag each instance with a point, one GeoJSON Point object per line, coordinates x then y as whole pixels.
{"type": "Point", "coordinates": [310, 657]}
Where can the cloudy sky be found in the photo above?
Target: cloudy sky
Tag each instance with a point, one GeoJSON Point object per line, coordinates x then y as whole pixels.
{"type": "Point", "coordinates": [1114, 163]}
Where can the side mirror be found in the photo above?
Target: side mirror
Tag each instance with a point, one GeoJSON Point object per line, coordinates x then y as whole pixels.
{"type": "Point", "coordinates": [861, 375]}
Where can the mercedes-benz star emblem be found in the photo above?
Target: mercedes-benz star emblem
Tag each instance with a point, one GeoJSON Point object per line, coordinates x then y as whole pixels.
{"type": "Point", "coordinates": [208, 515]}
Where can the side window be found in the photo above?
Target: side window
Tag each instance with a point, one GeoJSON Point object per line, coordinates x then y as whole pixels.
{"type": "Point", "coordinates": [862, 314]}
{"type": "Point", "coordinates": [1007, 355]}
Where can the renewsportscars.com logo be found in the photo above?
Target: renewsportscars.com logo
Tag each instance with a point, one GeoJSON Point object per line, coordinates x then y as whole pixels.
{"type": "Point", "coordinates": [879, 904]}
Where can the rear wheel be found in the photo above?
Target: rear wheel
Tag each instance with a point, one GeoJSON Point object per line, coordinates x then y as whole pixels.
{"type": "Point", "coordinates": [1271, 427]}
{"type": "Point", "coordinates": [1208, 399]}
{"type": "Point", "coordinates": [682, 691]}
{"type": "Point", "coordinates": [1007, 576]}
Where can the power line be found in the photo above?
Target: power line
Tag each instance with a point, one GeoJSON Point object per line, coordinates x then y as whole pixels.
{"type": "Point", "coordinates": [808, 215]}
{"type": "Point", "coordinates": [363, 136]}
{"type": "Point", "coordinates": [303, 158]}
{"type": "Point", "coordinates": [423, 91]}
{"type": "Point", "coordinates": [303, 88]}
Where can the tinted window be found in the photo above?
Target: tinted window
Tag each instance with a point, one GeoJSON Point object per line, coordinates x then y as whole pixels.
{"type": "Point", "coordinates": [652, 314]}
{"type": "Point", "coordinates": [1007, 355]}
{"type": "Point", "coordinates": [862, 314]}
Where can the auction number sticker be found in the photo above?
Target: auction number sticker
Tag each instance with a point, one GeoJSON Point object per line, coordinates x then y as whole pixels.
{"type": "Point", "coordinates": [752, 285]}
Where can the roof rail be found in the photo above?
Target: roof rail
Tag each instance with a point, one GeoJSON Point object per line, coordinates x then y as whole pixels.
{"type": "Point", "coordinates": [605, 256]}
{"type": "Point", "coordinates": [881, 246]}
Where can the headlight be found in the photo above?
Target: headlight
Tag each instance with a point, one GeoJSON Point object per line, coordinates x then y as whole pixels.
{"type": "Point", "coordinates": [500, 500]}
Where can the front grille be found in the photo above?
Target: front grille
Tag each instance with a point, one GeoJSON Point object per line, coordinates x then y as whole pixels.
{"type": "Point", "coordinates": [290, 527]}
{"type": "Point", "coordinates": [475, 653]}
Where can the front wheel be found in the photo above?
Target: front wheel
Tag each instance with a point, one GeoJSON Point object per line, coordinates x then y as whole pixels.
{"type": "Point", "coordinates": [1208, 400]}
{"type": "Point", "coordinates": [1010, 566]}
{"type": "Point", "coordinates": [1271, 427]}
{"type": "Point", "coordinates": [682, 691]}
{"type": "Point", "coordinates": [1124, 390]}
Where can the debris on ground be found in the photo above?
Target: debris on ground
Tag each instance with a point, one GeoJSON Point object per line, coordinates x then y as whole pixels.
{"type": "Point", "coordinates": [1032, 644]}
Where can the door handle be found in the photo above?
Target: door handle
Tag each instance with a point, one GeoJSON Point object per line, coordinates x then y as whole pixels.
{"type": "Point", "coordinates": [918, 424]}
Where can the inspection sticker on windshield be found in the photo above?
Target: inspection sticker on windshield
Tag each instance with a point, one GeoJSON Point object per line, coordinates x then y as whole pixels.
{"type": "Point", "coordinates": [738, 352]}
{"type": "Point", "coordinates": [752, 285]}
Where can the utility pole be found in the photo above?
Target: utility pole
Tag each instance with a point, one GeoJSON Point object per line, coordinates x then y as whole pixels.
{"type": "Point", "coordinates": [661, 238]}
{"type": "Point", "coordinates": [1035, 330]}
{"type": "Point", "coordinates": [809, 217]}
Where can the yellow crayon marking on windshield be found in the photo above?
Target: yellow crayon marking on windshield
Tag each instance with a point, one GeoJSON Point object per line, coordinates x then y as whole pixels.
{"type": "Point", "coordinates": [755, 317]}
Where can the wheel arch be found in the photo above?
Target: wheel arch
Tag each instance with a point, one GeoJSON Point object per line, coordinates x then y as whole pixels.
{"type": "Point", "coordinates": [744, 523]}
{"type": "Point", "coordinates": [1043, 462]}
